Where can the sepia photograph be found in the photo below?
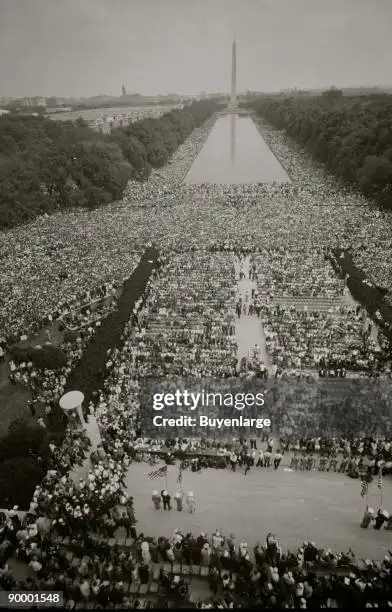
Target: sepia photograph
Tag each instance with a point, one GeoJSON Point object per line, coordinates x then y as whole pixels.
{"type": "Point", "coordinates": [195, 304]}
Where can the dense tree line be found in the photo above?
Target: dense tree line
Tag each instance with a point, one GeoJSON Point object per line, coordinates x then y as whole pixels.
{"type": "Point", "coordinates": [351, 135]}
{"type": "Point", "coordinates": [48, 165]}
{"type": "Point", "coordinates": [149, 143]}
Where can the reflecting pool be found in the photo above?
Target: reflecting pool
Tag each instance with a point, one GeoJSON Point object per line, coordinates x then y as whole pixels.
{"type": "Point", "coordinates": [235, 152]}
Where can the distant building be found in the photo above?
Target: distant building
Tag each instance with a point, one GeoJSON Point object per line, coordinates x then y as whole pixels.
{"type": "Point", "coordinates": [123, 91]}
{"type": "Point", "coordinates": [33, 101]}
{"type": "Point", "coordinates": [54, 102]}
{"type": "Point", "coordinates": [106, 123]}
{"type": "Point", "coordinates": [58, 109]}
{"type": "Point", "coordinates": [100, 125]}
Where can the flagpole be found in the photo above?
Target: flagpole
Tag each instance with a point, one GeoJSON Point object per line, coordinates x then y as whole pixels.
{"type": "Point", "coordinates": [366, 495]}
{"type": "Point", "coordinates": [364, 486]}
{"type": "Point", "coordinates": [179, 477]}
{"type": "Point", "coordinates": [380, 485]}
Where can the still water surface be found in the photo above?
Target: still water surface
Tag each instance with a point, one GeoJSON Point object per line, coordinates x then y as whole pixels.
{"type": "Point", "coordinates": [235, 153]}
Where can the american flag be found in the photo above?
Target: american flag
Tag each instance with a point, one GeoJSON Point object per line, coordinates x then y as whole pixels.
{"type": "Point", "coordinates": [159, 473]}
{"type": "Point", "coordinates": [179, 478]}
{"type": "Point", "coordinates": [364, 487]}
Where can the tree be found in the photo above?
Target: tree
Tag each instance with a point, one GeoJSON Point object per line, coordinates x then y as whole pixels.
{"type": "Point", "coordinates": [47, 165]}
{"type": "Point", "coordinates": [49, 356]}
{"type": "Point", "coordinates": [375, 174]}
{"type": "Point", "coordinates": [332, 94]}
{"type": "Point", "coordinates": [21, 438]}
{"type": "Point", "coordinates": [352, 136]}
{"type": "Point", "coordinates": [18, 478]}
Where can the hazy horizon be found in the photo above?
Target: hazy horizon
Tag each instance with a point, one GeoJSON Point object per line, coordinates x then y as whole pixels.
{"type": "Point", "coordinates": [82, 48]}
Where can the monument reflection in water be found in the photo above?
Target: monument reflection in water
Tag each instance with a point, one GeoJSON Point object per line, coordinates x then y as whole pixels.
{"type": "Point", "coordinates": [236, 153]}
{"type": "Point", "coordinates": [232, 137]}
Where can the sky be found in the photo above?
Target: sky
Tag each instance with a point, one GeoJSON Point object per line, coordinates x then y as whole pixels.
{"type": "Point", "coordinates": [90, 47]}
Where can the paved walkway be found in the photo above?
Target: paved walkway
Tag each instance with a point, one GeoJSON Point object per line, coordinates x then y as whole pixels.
{"type": "Point", "coordinates": [322, 506]}
{"type": "Point", "coordinates": [248, 329]}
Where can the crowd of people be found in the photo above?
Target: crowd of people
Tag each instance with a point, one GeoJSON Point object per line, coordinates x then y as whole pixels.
{"type": "Point", "coordinates": [56, 264]}
{"type": "Point", "coordinates": [353, 457]}
{"type": "Point", "coordinates": [88, 309]}
{"type": "Point", "coordinates": [161, 570]}
{"type": "Point", "coordinates": [56, 268]}
{"type": "Point", "coordinates": [323, 341]}
{"type": "Point", "coordinates": [62, 253]}
{"type": "Point", "coordinates": [186, 326]}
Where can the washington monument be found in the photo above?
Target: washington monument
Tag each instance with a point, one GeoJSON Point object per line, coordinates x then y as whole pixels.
{"type": "Point", "coordinates": [233, 96]}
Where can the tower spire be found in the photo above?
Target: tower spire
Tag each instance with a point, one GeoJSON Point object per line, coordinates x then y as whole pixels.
{"type": "Point", "coordinates": [233, 96]}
